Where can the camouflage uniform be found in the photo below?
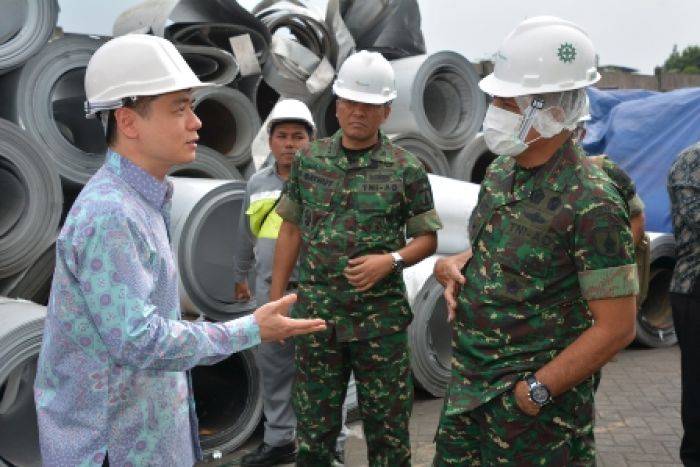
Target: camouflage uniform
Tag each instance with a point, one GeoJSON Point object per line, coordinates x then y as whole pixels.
{"type": "Point", "coordinates": [545, 241]}
{"type": "Point", "coordinates": [347, 208]}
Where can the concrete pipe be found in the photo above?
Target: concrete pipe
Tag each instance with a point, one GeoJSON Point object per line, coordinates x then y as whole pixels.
{"type": "Point", "coordinates": [204, 224]}
{"type": "Point", "coordinates": [210, 64]}
{"type": "Point", "coordinates": [228, 397]}
{"type": "Point", "coordinates": [46, 97]}
{"type": "Point", "coordinates": [21, 329]}
{"type": "Point", "coordinates": [654, 318]}
{"type": "Point", "coordinates": [34, 283]}
{"type": "Point", "coordinates": [323, 111]}
{"type": "Point", "coordinates": [229, 122]}
{"type": "Point", "coordinates": [31, 200]}
{"type": "Point", "coordinates": [207, 164]}
{"type": "Point", "coordinates": [470, 163]}
{"type": "Point", "coordinates": [454, 202]}
{"type": "Point", "coordinates": [429, 154]}
{"type": "Point", "coordinates": [25, 28]}
{"type": "Point", "coordinates": [260, 94]}
{"type": "Point", "coordinates": [438, 98]}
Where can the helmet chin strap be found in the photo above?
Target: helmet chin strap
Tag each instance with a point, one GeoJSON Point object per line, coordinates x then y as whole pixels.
{"type": "Point", "coordinates": [529, 116]}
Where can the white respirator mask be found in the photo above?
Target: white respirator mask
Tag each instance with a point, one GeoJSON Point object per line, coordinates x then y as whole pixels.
{"type": "Point", "coordinates": [505, 132]}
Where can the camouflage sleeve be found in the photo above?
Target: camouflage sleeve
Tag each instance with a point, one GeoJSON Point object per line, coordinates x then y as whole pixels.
{"type": "Point", "coordinates": [636, 206]}
{"type": "Point", "coordinates": [289, 207]}
{"type": "Point", "coordinates": [419, 211]}
{"type": "Point", "coordinates": [604, 252]}
{"type": "Point", "coordinates": [620, 178]}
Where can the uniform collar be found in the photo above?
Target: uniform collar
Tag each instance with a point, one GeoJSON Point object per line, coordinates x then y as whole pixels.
{"type": "Point", "coordinates": [379, 152]}
{"type": "Point", "coordinates": [154, 191]}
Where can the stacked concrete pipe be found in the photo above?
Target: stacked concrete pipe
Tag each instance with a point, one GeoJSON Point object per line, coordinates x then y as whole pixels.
{"type": "Point", "coordinates": [207, 164]}
{"type": "Point", "coordinates": [21, 329]}
{"type": "Point", "coordinates": [471, 162]}
{"type": "Point", "coordinates": [432, 158]}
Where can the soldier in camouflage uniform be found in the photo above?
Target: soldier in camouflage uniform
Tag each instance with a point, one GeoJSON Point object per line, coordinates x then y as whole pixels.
{"type": "Point", "coordinates": [350, 202]}
{"type": "Point", "coordinates": [546, 294]}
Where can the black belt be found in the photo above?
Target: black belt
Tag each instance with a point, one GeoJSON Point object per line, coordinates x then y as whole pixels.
{"type": "Point", "coordinates": [292, 285]}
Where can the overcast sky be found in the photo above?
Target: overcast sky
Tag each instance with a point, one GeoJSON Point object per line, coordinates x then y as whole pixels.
{"type": "Point", "coordinates": [635, 33]}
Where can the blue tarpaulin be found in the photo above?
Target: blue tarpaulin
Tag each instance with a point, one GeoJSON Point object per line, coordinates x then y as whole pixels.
{"type": "Point", "coordinates": [643, 132]}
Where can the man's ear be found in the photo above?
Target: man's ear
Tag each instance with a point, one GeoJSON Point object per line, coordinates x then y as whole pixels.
{"type": "Point", "coordinates": [125, 120]}
{"type": "Point", "coordinates": [387, 111]}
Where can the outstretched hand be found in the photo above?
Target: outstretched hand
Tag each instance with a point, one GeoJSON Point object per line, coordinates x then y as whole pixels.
{"type": "Point", "coordinates": [275, 325]}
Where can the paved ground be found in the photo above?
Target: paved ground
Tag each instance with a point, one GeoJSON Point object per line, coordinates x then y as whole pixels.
{"type": "Point", "coordinates": [638, 415]}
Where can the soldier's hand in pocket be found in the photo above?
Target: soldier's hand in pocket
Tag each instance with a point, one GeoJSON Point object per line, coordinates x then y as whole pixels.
{"type": "Point", "coordinates": [364, 272]}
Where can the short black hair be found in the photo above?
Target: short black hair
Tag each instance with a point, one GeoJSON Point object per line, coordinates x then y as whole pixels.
{"type": "Point", "coordinates": [142, 106]}
{"type": "Point", "coordinates": [306, 125]}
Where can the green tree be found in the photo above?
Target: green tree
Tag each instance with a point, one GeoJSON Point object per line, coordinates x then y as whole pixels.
{"type": "Point", "coordinates": [687, 61]}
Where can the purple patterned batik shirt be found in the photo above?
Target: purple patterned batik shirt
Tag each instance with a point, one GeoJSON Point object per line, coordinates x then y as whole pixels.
{"type": "Point", "coordinates": [112, 369]}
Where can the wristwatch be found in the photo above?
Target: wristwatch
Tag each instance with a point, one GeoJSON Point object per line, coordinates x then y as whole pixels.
{"type": "Point", "coordinates": [539, 393]}
{"type": "Point", "coordinates": [399, 263]}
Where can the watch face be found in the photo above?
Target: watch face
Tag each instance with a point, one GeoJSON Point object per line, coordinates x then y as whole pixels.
{"type": "Point", "coordinates": [539, 394]}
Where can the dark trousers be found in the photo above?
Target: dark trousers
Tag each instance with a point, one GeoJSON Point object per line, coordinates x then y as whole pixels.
{"type": "Point", "coordinates": [686, 319]}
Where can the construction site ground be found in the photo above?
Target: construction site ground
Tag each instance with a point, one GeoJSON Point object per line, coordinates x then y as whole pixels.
{"type": "Point", "coordinates": [637, 416]}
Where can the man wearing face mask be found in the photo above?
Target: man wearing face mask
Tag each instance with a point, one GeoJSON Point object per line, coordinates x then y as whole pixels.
{"type": "Point", "coordinates": [546, 295]}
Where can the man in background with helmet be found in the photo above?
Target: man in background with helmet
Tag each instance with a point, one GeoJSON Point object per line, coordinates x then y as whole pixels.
{"type": "Point", "coordinates": [111, 385]}
{"type": "Point", "coordinates": [345, 207]}
{"type": "Point", "coordinates": [290, 128]}
{"type": "Point", "coordinates": [548, 289]}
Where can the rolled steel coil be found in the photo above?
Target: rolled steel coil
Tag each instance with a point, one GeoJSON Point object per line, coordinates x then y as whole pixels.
{"type": "Point", "coordinates": [207, 164]}
{"type": "Point", "coordinates": [438, 98]}
{"type": "Point", "coordinates": [429, 335]}
{"type": "Point", "coordinates": [470, 163]}
{"type": "Point", "coordinates": [46, 97]}
{"type": "Point", "coordinates": [34, 283]}
{"type": "Point", "coordinates": [654, 318]}
{"type": "Point", "coordinates": [205, 217]}
{"type": "Point", "coordinates": [454, 202]}
{"type": "Point", "coordinates": [228, 398]}
{"type": "Point", "coordinates": [31, 200]}
{"type": "Point", "coordinates": [260, 94]}
{"type": "Point", "coordinates": [25, 28]}
{"type": "Point", "coordinates": [431, 156]}
{"type": "Point", "coordinates": [21, 329]}
{"type": "Point", "coordinates": [229, 122]}
{"type": "Point", "coordinates": [210, 64]}
{"type": "Point", "coordinates": [323, 111]}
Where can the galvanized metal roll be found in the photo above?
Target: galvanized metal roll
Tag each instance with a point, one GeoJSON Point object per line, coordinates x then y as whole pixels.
{"type": "Point", "coordinates": [228, 398]}
{"type": "Point", "coordinates": [654, 319]}
{"type": "Point", "coordinates": [229, 122]}
{"type": "Point", "coordinates": [34, 283]}
{"type": "Point", "coordinates": [260, 94]}
{"type": "Point", "coordinates": [207, 164]}
{"type": "Point", "coordinates": [470, 163]}
{"type": "Point", "coordinates": [454, 202]}
{"type": "Point", "coordinates": [323, 111]}
{"type": "Point", "coordinates": [31, 200]}
{"type": "Point", "coordinates": [438, 98]}
{"type": "Point", "coordinates": [21, 329]}
{"type": "Point", "coordinates": [25, 28]}
{"type": "Point", "coordinates": [210, 64]}
{"type": "Point", "coordinates": [205, 217]}
{"type": "Point", "coordinates": [46, 97]}
{"type": "Point", "coordinates": [430, 155]}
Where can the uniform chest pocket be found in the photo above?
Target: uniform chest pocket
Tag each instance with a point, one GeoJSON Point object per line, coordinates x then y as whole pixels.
{"type": "Point", "coordinates": [373, 197]}
{"type": "Point", "coordinates": [317, 187]}
{"type": "Point", "coordinates": [528, 247]}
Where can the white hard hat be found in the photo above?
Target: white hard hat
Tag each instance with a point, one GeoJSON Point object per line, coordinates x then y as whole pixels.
{"type": "Point", "coordinates": [290, 110]}
{"type": "Point", "coordinates": [135, 65]}
{"type": "Point", "coordinates": [542, 55]}
{"type": "Point", "coordinates": [366, 77]}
